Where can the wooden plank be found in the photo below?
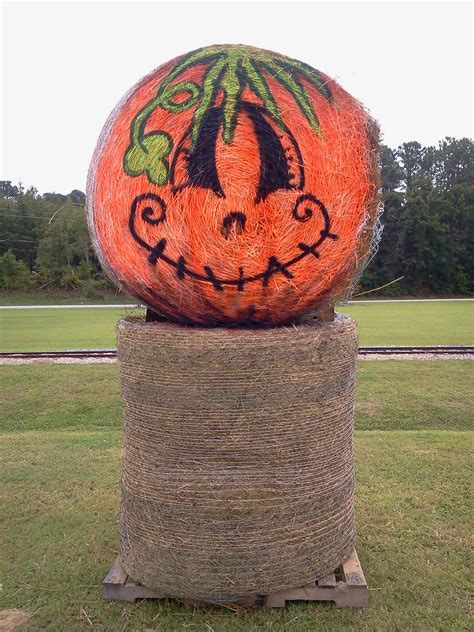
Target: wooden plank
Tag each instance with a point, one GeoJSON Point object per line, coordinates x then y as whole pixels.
{"type": "Point", "coordinates": [310, 592]}
{"type": "Point", "coordinates": [356, 593]}
{"type": "Point", "coordinates": [350, 593]}
{"type": "Point", "coordinates": [353, 571]}
{"type": "Point", "coordinates": [117, 585]}
{"type": "Point", "coordinates": [275, 600]}
{"type": "Point", "coordinates": [351, 596]}
{"type": "Point", "coordinates": [342, 595]}
{"type": "Point", "coordinates": [329, 580]}
{"type": "Point", "coordinates": [116, 575]}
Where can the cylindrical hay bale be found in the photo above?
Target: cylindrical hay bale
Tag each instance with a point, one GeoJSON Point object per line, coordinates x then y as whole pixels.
{"type": "Point", "coordinates": [238, 463]}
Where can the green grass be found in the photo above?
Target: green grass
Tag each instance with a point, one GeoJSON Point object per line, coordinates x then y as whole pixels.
{"type": "Point", "coordinates": [60, 451]}
{"type": "Point", "coordinates": [427, 323]}
{"type": "Point", "coordinates": [379, 324]}
{"type": "Point", "coordinates": [61, 495]}
{"type": "Point", "coordinates": [66, 297]}
{"type": "Point", "coordinates": [44, 329]}
{"type": "Point", "coordinates": [409, 395]}
{"type": "Point", "coordinates": [391, 395]}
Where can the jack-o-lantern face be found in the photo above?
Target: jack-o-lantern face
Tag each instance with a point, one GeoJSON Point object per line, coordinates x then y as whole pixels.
{"type": "Point", "coordinates": [244, 193]}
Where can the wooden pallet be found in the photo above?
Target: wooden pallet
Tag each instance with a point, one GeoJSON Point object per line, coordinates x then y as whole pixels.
{"type": "Point", "coordinates": [346, 587]}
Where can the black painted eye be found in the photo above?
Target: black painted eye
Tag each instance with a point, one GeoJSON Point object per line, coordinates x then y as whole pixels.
{"type": "Point", "coordinates": [280, 157]}
{"type": "Point", "coordinates": [197, 166]}
{"type": "Point", "coordinates": [281, 163]}
{"type": "Point", "coordinates": [202, 160]}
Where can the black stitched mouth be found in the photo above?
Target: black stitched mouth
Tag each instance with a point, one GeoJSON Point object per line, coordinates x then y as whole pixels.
{"type": "Point", "coordinates": [274, 265]}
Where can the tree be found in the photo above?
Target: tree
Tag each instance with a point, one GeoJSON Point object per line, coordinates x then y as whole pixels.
{"type": "Point", "coordinates": [14, 275]}
{"type": "Point", "coordinates": [409, 157]}
{"type": "Point", "coordinates": [64, 251]}
{"type": "Point", "coordinates": [77, 197]}
{"type": "Point", "coordinates": [23, 215]}
{"type": "Point", "coordinates": [428, 198]}
{"type": "Point", "coordinates": [7, 190]}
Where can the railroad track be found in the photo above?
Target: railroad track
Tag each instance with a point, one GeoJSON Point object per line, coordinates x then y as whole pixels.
{"type": "Point", "coordinates": [83, 354]}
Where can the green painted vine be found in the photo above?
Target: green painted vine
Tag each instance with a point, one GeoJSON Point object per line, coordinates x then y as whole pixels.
{"type": "Point", "coordinates": [230, 70]}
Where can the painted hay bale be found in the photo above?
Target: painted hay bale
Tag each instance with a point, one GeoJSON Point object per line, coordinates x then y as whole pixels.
{"type": "Point", "coordinates": [234, 185]}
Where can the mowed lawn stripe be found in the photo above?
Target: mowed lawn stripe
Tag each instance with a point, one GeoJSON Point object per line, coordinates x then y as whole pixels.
{"type": "Point", "coordinates": [429, 323]}
{"type": "Point", "coordinates": [391, 395]}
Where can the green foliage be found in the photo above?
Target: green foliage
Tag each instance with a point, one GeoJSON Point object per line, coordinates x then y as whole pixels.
{"type": "Point", "coordinates": [428, 198]}
{"type": "Point", "coordinates": [47, 234]}
{"type": "Point", "coordinates": [64, 251]}
{"type": "Point", "coordinates": [14, 274]}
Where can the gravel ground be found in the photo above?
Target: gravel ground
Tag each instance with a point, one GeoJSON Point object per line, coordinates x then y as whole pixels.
{"type": "Point", "coordinates": [417, 356]}
{"type": "Point", "coordinates": [91, 360]}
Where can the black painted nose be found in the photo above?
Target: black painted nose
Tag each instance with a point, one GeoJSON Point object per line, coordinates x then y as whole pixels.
{"type": "Point", "coordinates": [233, 223]}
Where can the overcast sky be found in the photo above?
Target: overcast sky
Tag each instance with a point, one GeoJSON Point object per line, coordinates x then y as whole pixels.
{"type": "Point", "coordinates": [66, 65]}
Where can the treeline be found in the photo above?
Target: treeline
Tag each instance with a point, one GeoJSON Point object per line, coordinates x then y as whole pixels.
{"type": "Point", "coordinates": [45, 243]}
{"type": "Point", "coordinates": [428, 198]}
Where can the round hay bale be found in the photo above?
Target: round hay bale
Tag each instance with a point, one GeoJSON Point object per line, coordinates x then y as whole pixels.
{"type": "Point", "coordinates": [234, 185]}
{"type": "Point", "coordinates": [238, 461]}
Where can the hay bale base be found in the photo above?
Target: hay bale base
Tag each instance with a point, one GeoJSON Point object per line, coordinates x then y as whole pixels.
{"type": "Point", "coordinates": [346, 587]}
{"type": "Point", "coordinates": [238, 474]}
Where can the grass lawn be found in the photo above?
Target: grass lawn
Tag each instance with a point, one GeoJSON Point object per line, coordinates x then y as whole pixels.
{"type": "Point", "coordinates": [45, 329]}
{"type": "Point", "coordinates": [427, 323]}
{"type": "Point", "coordinates": [60, 450]}
{"type": "Point", "coordinates": [66, 297]}
{"type": "Point", "coordinates": [379, 324]}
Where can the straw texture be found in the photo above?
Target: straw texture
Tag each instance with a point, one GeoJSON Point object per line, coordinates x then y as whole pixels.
{"type": "Point", "coordinates": [238, 460]}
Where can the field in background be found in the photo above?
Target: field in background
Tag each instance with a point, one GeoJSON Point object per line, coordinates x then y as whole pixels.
{"type": "Point", "coordinates": [60, 450]}
{"type": "Point", "coordinates": [45, 329]}
{"type": "Point", "coordinates": [408, 323]}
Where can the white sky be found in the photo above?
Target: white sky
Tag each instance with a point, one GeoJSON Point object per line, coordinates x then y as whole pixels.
{"type": "Point", "coordinates": [65, 65]}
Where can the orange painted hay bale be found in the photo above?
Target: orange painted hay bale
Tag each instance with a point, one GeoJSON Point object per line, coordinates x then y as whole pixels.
{"type": "Point", "coordinates": [233, 186]}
